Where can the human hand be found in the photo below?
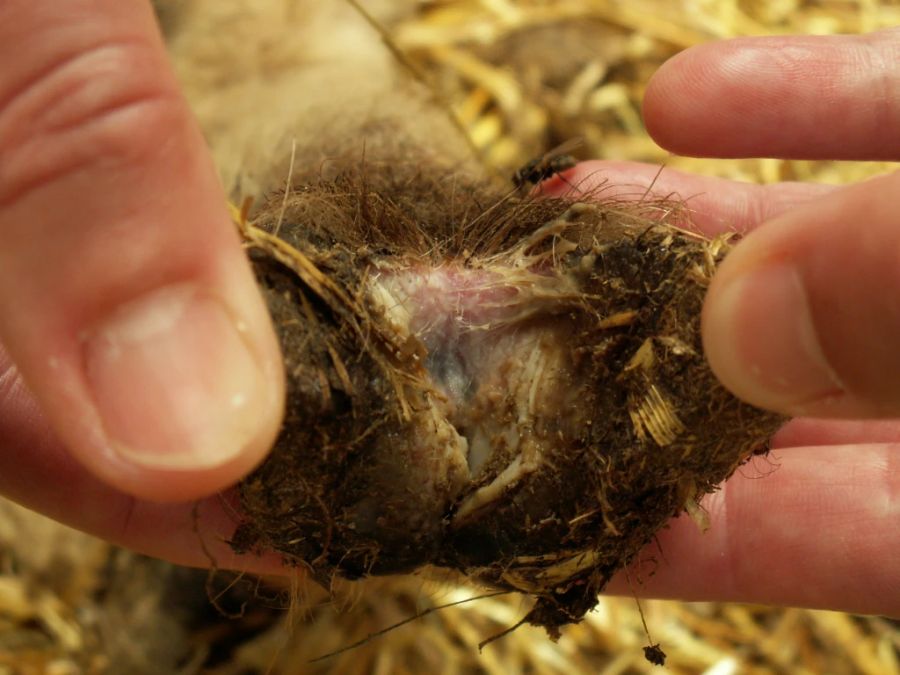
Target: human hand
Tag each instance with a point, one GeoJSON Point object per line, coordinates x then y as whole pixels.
{"type": "Point", "coordinates": [803, 318]}
{"type": "Point", "coordinates": [131, 323]}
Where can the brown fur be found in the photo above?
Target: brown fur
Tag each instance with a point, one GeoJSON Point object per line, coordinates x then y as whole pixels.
{"type": "Point", "coordinates": [374, 470]}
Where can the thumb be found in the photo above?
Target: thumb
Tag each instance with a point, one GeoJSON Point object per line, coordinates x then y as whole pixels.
{"type": "Point", "coordinates": [804, 315]}
{"type": "Point", "coordinates": [126, 302]}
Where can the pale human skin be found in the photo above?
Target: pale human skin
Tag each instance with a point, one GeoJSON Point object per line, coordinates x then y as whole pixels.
{"type": "Point", "coordinates": [114, 239]}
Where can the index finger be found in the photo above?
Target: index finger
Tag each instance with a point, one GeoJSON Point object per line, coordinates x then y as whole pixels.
{"type": "Point", "coordinates": [835, 97]}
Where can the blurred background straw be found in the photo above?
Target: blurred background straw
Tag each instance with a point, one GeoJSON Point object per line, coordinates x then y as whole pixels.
{"type": "Point", "coordinates": [525, 75]}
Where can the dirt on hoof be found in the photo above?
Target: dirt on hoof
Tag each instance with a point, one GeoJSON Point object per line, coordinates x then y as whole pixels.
{"type": "Point", "coordinates": [510, 387]}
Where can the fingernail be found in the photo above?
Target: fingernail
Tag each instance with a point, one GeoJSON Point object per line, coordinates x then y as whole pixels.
{"type": "Point", "coordinates": [175, 381]}
{"type": "Point", "coordinates": [761, 340]}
